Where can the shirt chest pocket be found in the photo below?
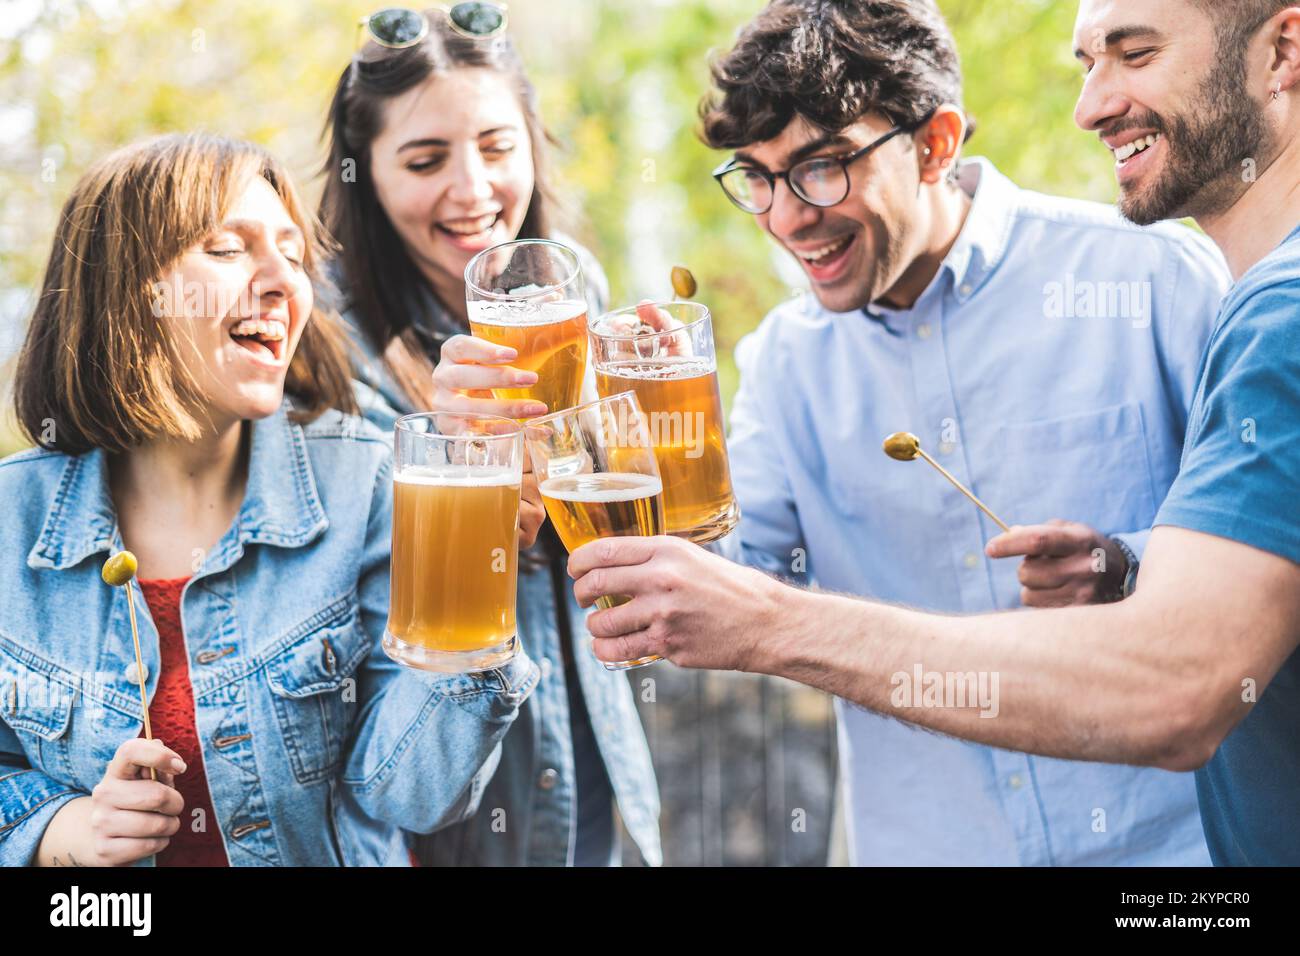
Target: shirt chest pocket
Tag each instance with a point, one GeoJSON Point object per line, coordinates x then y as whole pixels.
{"type": "Point", "coordinates": [314, 691]}
{"type": "Point", "coordinates": [37, 706]}
{"type": "Point", "coordinates": [1092, 467]}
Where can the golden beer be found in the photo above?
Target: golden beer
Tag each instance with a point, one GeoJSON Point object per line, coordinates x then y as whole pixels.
{"type": "Point", "coordinates": [605, 505]}
{"type": "Point", "coordinates": [598, 478]}
{"type": "Point", "coordinates": [683, 407]}
{"type": "Point", "coordinates": [551, 340]}
{"type": "Point", "coordinates": [530, 295]}
{"type": "Point", "coordinates": [455, 558]}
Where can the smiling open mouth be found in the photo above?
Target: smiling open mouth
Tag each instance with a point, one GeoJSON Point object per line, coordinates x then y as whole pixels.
{"type": "Point", "coordinates": [1126, 152]}
{"type": "Point", "coordinates": [469, 228]}
{"type": "Point", "coordinates": [263, 337]}
{"type": "Point", "coordinates": [827, 263]}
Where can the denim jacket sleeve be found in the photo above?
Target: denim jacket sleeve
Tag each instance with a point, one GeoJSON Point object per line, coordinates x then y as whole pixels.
{"type": "Point", "coordinates": [425, 744]}
{"type": "Point", "coordinates": [29, 799]}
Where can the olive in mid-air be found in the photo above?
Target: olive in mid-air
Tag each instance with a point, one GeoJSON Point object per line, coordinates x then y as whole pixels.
{"type": "Point", "coordinates": [683, 282]}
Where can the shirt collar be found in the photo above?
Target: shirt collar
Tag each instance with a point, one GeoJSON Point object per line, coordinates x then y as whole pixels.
{"type": "Point", "coordinates": [281, 506]}
{"type": "Point", "coordinates": [982, 243]}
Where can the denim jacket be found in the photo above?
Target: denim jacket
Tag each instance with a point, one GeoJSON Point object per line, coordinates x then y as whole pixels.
{"type": "Point", "coordinates": [319, 750]}
{"type": "Point", "coordinates": [528, 811]}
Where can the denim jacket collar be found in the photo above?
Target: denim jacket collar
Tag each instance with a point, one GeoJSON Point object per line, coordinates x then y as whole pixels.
{"type": "Point", "coordinates": [281, 506]}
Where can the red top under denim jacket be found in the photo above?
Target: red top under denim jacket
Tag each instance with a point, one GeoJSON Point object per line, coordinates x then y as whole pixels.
{"type": "Point", "coordinates": [171, 716]}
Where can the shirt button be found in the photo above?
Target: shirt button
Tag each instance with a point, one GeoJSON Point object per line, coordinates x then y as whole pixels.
{"type": "Point", "coordinates": [546, 667]}
{"type": "Point", "coordinates": [1016, 781]}
{"type": "Point", "coordinates": [971, 560]}
{"type": "Point", "coordinates": [131, 677]}
{"type": "Point", "coordinates": [547, 780]}
{"type": "Point", "coordinates": [966, 290]}
{"type": "Point", "coordinates": [923, 330]}
{"type": "Point", "coordinates": [946, 448]}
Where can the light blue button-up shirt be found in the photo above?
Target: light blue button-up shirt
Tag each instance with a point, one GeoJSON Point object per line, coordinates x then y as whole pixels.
{"type": "Point", "coordinates": [1049, 366]}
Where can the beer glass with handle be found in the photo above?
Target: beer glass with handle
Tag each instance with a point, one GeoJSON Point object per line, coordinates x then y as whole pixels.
{"type": "Point", "coordinates": [529, 295]}
{"type": "Point", "coordinates": [456, 482]}
{"type": "Point", "coordinates": [598, 477]}
{"type": "Point", "coordinates": [671, 365]}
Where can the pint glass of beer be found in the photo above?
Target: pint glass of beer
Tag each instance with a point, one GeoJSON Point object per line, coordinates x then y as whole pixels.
{"type": "Point", "coordinates": [529, 295]}
{"type": "Point", "coordinates": [674, 374]}
{"type": "Point", "coordinates": [598, 477]}
{"type": "Point", "coordinates": [455, 557]}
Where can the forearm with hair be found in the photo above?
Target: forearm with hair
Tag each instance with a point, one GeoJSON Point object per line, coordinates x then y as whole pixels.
{"type": "Point", "coordinates": [1089, 683]}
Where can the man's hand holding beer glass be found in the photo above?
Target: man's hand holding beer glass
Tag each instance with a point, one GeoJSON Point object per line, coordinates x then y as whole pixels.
{"type": "Point", "coordinates": [691, 606]}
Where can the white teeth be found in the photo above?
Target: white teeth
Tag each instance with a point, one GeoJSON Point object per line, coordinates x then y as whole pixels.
{"type": "Point", "coordinates": [819, 254]}
{"type": "Point", "coordinates": [271, 329]}
{"type": "Point", "coordinates": [1128, 150]}
{"type": "Point", "coordinates": [470, 227]}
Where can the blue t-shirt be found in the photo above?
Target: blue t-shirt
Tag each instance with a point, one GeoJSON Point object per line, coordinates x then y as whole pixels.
{"type": "Point", "coordinates": [1240, 479]}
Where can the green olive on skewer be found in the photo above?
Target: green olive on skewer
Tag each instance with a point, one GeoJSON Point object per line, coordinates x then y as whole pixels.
{"type": "Point", "coordinates": [904, 446]}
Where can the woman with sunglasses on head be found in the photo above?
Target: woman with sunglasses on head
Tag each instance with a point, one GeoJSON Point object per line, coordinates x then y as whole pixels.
{"type": "Point", "coordinates": [436, 153]}
{"type": "Point", "coordinates": [192, 404]}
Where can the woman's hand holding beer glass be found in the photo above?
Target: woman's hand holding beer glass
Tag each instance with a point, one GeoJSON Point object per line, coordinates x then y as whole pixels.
{"type": "Point", "coordinates": [467, 371]}
{"type": "Point", "coordinates": [470, 368]}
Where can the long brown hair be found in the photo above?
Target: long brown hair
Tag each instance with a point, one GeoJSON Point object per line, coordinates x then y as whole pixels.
{"type": "Point", "coordinates": [98, 363]}
{"type": "Point", "coordinates": [385, 289]}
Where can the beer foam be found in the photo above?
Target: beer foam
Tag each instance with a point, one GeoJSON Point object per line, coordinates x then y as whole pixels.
{"type": "Point", "coordinates": [458, 476]}
{"type": "Point", "coordinates": [525, 313]}
{"type": "Point", "coordinates": [658, 369]}
{"type": "Point", "coordinates": [602, 488]}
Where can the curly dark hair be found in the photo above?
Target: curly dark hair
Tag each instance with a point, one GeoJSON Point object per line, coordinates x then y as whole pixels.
{"type": "Point", "coordinates": [831, 62]}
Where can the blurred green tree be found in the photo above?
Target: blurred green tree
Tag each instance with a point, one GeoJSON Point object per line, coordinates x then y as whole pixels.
{"type": "Point", "coordinates": [620, 82]}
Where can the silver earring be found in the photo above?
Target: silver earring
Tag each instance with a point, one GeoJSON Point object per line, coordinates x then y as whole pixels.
{"type": "Point", "coordinates": [1277, 92]}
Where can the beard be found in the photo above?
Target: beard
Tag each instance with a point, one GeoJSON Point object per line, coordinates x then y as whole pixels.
{"type": "Point", "coordinates": [1205, 150]}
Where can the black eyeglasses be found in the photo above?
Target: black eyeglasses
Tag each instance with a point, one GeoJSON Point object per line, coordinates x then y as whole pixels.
{"type": "Point", "coordinates": [821, 181]}
{"type": "Point", "coordinates": [398, 28]}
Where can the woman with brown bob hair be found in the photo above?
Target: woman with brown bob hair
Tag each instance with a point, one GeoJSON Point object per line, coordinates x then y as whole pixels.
{"type": "Point", "coordinates": [190, 403]}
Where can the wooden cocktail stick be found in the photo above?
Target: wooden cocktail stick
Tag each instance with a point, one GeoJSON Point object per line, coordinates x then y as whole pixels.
{"type": "Point", "coordinates": [118, 571]}
{"type": "Point", "coordinates": [904, 446]}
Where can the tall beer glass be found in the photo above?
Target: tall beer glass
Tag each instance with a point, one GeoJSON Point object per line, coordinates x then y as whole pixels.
{"type": "Point", "coordinates": [598, 477]}
{"type": "Point", "coordinates": [529, 295]}
{"type": "Point", "coordinates": [455, 541]}
{"type": "Point", "coordinates": [675, 376]}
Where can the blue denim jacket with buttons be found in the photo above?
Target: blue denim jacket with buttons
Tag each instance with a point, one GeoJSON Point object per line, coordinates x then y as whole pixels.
{"type": "Point", "coordinates": [528, 814]}
{"type": "Point", "coordinates": [319, 750]}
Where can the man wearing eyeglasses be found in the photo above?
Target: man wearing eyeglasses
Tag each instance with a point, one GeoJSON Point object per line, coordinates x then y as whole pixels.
{"type": "Point", "coordinates": [1044, 351]}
